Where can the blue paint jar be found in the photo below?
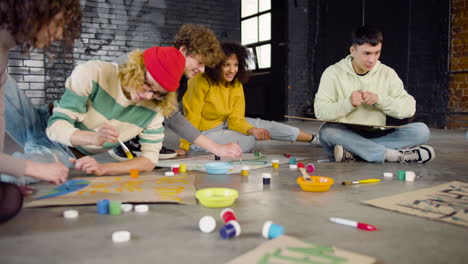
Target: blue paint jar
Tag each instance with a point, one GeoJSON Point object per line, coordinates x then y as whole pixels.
{"type": "Point", "coordinates": [230, 230]}
{"type": "Point", "coordinates": [103, 206]}
{"type": "Point", "coordinates": [271, 230]}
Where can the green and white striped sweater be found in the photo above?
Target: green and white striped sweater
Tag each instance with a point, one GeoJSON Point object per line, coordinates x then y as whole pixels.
{"type": "Point", "coordinates": [94, 97]}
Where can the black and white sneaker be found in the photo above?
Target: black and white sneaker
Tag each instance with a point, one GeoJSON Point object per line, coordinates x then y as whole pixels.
{"type": "Point", "coordinates": [420, 154]}
{"type": "Point", "coordinates": [342, 155]}
{"type": "Point", "coordinates": [166, 153]}
{"type": "Point", "coordinates": [119, 154]}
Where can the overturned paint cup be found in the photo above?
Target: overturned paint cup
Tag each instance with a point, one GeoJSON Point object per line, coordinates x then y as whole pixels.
{"type": "Point", "coordinates": [271, 230]}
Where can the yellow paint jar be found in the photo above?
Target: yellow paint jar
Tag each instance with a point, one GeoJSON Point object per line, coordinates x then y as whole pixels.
{"type": "Point", "coordinates": [275, 164]}
{"type": "Point", "coordinates": [183, 167]}
{"type": "Point", "coordinates": [245, 171]}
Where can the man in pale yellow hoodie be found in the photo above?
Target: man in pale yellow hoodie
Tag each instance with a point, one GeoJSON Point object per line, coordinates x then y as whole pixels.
{"type": "Point", "coordinates": [360, 89]}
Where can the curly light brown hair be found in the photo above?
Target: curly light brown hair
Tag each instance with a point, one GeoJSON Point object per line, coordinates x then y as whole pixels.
{"type": "Point", "coordinates": [242, 55]}
{"type": "Point", "coordinates": [24, 18]}
{"type": "Point", "coordinates": [132, 76]}
{"type": "Point", "coordinates": [199, 40]}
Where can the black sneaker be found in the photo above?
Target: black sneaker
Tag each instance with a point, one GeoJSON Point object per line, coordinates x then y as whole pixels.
{"type": "Point", "coordinates": [420, 154]}
{"type": "Point", "coordinates": [119, 154]}
{"type": "Point", "coordinates": [166, 153]}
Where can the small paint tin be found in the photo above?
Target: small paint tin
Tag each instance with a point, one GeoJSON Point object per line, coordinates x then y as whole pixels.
{"type": "Point", "coordinates": [183, 167]}
{"type": "Point", "coordinates": [134, 174]}
{"type": "Point", "coordinates": [258, 154]}
{"type": "Point", "coordinates": [410, 176]}
{"type": "Point", "coordinates": [126, 208]}
{"type": "Point", "coordinates": [114, 208]}
{"type": "Point", "coordinates": [227, 215]}
{"type": "Point", "coordinates": [271, 230]}
{"type": "Point", "coordinates": [275, 164]}
{"type": "Point", "coordinates": [175, 168]}
{"type": "Point", "coordinates": [230, 230]}
{"type": "Point", "coordinates": [292, 160]}
{"type": "Point", "coordinates": [245, 171]}
{"type": "Point", "coordinates": [401, 175]}
{"type": "Point", "coordinates": [388, 175]}
{"type": "Point", "coordinates": [217, 158]}
{"type": "Point", "coordinates": [310, 168]}
{"type": "Point", "coordinates": [103, 206]}
{"type": "Point", "coordinates": [266, 178]}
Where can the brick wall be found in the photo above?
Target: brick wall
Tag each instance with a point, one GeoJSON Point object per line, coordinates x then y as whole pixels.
{"type": "Point", "coordinates": [114, 27]}
{"type": "Point", "coordinates": [458, 87]}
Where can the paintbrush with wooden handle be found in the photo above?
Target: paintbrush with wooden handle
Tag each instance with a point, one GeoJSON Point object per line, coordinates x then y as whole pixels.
{"type": "Point", "coordinates": [301, 167]}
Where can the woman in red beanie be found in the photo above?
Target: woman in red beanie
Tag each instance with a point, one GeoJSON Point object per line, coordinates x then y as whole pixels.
{"type": "Point", "coordinates": [105, 103]}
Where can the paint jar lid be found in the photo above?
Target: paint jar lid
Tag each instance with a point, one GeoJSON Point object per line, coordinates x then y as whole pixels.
{"type": "Point", "coordinates": [169, 173]}
{"type": "Point", "coordinates": [141, 208]}
{"type": "Point", "coordinates": [121, 236]}
{"type": "Point", "coordinates": [207, 224]}
{"type": "Point", "coordinates": [175, 165]}
{"type": "Point", "coordinates": [126, 207]}
{"type": "Point", "coordinates": [266, 175]}
{"type": "Point", "coordinates": [245, 168]}
{"type": "Point", "coordinates": [388, 174]}
{"type": "Point", "coordinates": [70, 214]}
{"type": "Point", "coordinates": [275, 161]}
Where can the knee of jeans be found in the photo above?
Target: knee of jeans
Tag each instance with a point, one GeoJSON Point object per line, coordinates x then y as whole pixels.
{"type": "Point", "coordinates": [422, 132]}
{"type": "Point", "coordinates": [328, 132]}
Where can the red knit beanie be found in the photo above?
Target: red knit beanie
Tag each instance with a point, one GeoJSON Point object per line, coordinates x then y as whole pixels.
{"type": "Point", "coordinates": [166, 65]}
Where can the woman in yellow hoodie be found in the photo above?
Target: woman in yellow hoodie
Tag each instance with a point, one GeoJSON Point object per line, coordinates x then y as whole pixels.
{"type": "Point", "coordinates": [214, 103]}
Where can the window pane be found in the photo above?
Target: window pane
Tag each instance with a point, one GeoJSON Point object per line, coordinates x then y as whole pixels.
{"type": "Point", "coordinates": [264, 27]}
{"type": "Point", "coordinates": [249, 30]}
{"type": "Point", "coordinates": [251, 59]}
{"type": "Point", "coordinates": [264, 5]}
{"type": "Point", "coordinates": [249, 7]}
{"type": "Point", "coordinates": [264, 56]}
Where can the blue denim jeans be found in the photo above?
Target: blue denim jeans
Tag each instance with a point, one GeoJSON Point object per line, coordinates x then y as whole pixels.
{"type": "Point", "coordinates": [371, 146]}
{"type": "Point", "coordinates": [222, 135]}
{"type": "Point", "coordinates": [26, 125]}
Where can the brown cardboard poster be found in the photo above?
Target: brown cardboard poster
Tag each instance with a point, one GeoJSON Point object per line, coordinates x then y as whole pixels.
{"type": "Point", "coordinates": [446, 202]}
{"type": "Point", "coordinates": [286, 249]}
{"type": "Point", "coordinates": [147, 189]}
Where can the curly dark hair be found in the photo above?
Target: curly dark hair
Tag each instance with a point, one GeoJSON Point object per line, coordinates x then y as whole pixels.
{"type": "Point", "coordinates": [199, 40]}
{"type": "Point", "coordinates": [24, 18]}
{"type": "Point", "coordinates": [242, 55]}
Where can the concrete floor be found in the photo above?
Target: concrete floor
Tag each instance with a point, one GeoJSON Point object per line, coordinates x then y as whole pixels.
{"type": "Point", "coordinates": [169, 233]}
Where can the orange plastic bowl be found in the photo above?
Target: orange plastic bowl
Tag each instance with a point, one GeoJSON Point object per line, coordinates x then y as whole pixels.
{"type": "Point", "coordinates": [318, 183]}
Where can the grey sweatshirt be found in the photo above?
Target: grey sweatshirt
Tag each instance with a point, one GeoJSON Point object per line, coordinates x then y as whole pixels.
{"type": "Point", "coordinates": [8, 164]}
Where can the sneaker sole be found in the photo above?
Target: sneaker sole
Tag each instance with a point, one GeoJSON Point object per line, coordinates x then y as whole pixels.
{"type": "Point", "coordinates": [167, 156]}
{"type": "Point", "coordinates": [338, 152]}
{"type": "Point", "coordinates": [115, 156]}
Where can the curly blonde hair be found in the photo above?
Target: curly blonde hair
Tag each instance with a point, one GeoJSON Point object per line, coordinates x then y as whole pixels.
{"type": "Point", "coordinates": [199, 40]}
{"type": "Point", "coordinates": [132, 76]}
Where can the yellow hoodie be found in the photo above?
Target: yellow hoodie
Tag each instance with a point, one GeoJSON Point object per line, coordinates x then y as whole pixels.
{"type": "Point", "coordinates": [332, 101]}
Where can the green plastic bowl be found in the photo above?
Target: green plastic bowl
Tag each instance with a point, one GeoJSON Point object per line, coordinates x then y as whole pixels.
{"type": "Point", "coordinates": [217, 197]}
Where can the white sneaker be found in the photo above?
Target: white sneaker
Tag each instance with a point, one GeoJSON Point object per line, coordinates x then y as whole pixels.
{"type": "Point", "coordinates": [420, 154]}
{"type": "Point", "coordinates": [342, 155]}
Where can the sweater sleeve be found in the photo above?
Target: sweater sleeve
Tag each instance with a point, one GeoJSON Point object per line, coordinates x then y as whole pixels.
{"type": "Point", "coordinates": [236, 120]}
{"type": "Point", "coordinates": [179, 124]}
{"type": "Point", "coordinates": [193, 103]}
{"type": "Point", "coordinates": [327, 103]}
{"type": "Point", "coordinates": [72, 106]}
{"type": "Point", "coordinates": [151, 139]}
{"type": "Point", "coordinates": [397, 102]}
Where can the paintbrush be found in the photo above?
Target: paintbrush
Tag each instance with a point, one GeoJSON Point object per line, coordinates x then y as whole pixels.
{"type": "Point", "coordinates": [301, 167]}
{"type": "Point", "coordinates": [126, 150]}
{"type": "Point", "coordinates": [361, 181]}
{"type": "Point", "coordinates": [65, 183]}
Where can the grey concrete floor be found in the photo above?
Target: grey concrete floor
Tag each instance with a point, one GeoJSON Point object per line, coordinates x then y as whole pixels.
{"type": "Point", "coordinates": [170, 234]}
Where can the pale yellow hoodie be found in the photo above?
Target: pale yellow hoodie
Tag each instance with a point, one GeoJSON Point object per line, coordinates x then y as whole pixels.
{"type": "Point", "coordinates": [332, 101]}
